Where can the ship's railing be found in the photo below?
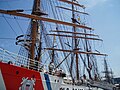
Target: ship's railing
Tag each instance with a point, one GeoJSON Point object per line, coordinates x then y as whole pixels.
{"type": "Point", "coordinates": [18, 60]}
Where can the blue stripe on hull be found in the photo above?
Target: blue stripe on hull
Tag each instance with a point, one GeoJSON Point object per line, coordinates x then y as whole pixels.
{"type": "Point", "coordinates": [47, 81]}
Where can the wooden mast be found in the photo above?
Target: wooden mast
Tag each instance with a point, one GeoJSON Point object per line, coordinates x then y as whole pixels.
{"type": "Point", "coordinates": [75, 43]}
{"type": "Point", "coordinates": [34, 28]}
{"type": "Point", "coordinates": [32, 46]}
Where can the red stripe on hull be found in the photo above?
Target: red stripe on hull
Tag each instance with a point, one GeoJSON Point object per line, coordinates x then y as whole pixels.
{"type": "Point", "coordinates": [13, 75]}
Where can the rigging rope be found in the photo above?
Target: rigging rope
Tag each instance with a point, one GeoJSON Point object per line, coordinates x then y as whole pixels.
{"type": "Point", "coordinates": [16, 18]}
{"type": "Point", "coordinates": [8, 38]}
{"type": "Point", "coordinates": [10, 26]}
{"type": "Point", "coordinates": [19, 25]}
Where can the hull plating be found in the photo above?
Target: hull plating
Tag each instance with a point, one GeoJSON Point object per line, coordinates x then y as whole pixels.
{"type": "Point", "coordinates": [18, 78]}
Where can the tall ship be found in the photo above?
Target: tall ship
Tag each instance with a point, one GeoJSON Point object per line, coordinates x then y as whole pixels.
{"type": "Point", "coordinates": [57, 52]}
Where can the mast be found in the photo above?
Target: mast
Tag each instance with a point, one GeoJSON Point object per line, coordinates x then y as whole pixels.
{"type": "Point", "coordinates": [74, 41]}
{"type": "Point", "coordinates": [34, 28]}
{"type": "Point", "coordinates": [32, 46]}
